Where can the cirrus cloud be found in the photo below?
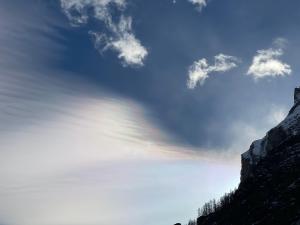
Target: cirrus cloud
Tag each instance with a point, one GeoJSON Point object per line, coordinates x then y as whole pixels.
{"type": "Point", "coordinates": [119, 36]}
{"type": "Point", "coordinates": [199, 71]}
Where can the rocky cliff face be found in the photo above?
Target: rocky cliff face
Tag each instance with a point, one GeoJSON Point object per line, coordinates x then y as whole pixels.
{"type": "Point", "coordinates": [287, 129]}
{"type": "Point", "coordinates": [269, 192]}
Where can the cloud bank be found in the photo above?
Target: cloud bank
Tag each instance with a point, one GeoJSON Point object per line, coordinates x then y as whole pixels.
{"type": "Point", "coordinates": [266, 62]}
{"type": "Point", "coordinates": [199, 71]}
{"type": "Point", "coordinates": [119, 36]}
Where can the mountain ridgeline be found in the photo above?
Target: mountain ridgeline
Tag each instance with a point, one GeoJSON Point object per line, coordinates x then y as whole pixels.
{"type": "Point", "coordinates": [269, 190]}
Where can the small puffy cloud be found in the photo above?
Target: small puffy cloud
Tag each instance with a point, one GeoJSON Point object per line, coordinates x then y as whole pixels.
{"type": "Point", "coordinates": [119, 35]}
{"type": "Point", "coordinates": [124, 42]}
{"type": "Point", "coordinates": [199, 71]}
{"type": "Point", "coordinates": [130, 50]}
{"type": "Point", "coordinates": [198, 3]}
{"type": "Point", "coordinates": [266, 62]}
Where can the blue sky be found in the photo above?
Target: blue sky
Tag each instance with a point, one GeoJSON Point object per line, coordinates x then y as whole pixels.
{"type": "Point", "coordinates": [136, 109]}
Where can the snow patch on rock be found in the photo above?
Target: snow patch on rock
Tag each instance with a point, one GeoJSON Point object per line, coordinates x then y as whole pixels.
{"type": "Point", "coordinates": [256, 151]}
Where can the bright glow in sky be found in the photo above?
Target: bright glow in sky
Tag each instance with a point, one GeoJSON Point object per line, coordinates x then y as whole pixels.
{"type": "Point", "coordinates": [100, 162]}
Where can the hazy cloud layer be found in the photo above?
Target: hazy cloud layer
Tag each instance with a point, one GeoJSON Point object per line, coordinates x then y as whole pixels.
{"type": "Point", "coordinates": [120, 36]}
{"type": "Point", "coordinates": [266, 62]}
{"type": "Point", "coordinates": [199, 71]}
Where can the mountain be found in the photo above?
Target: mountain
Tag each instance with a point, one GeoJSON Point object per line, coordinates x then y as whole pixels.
{"type": "Point", "coordinates": [269, 190]}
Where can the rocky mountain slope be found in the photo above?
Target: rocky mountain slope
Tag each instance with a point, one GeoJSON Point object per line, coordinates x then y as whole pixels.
{"type": "Point", "coordinates": [269, 191]}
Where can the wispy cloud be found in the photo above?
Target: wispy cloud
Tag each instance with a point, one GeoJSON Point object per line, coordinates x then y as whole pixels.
{"type": "Point", "coordinates": [129, 49]}
{"type": "Point", "coordinates": [276, 115]}
{"type": "Point", "coordinates": [120, 36]}
{"type": "Point", "coordinates": [198, 3]}
{"type": "Point", "coordinates": [199, 71]}
{"type": "Point", "coordinates": [266, 62]}
{"type": "Point", "coordinates": [78, 11]}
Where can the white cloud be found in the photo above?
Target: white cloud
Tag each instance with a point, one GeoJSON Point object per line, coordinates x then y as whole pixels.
{"type": "Point", "coordinates": [267, 63]}
{"type": "Point", "coordinates": [130, 50]}
{"type": "Point", "coordinates": [124, 42]}
{"type": "Point", "coordinates": [224, 63]}
{"type": "Point", "coordinates": [199, 3]}
{"type": "Point", "coordinates": [120, 36]}
{"type": "Point", "coordinates": [199, 71]}
{"type": "Point", "coordinates": [77, 11]}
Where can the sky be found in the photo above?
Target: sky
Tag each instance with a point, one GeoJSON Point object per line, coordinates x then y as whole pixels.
{"type": "Point", "coordinates": [123, 112]}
